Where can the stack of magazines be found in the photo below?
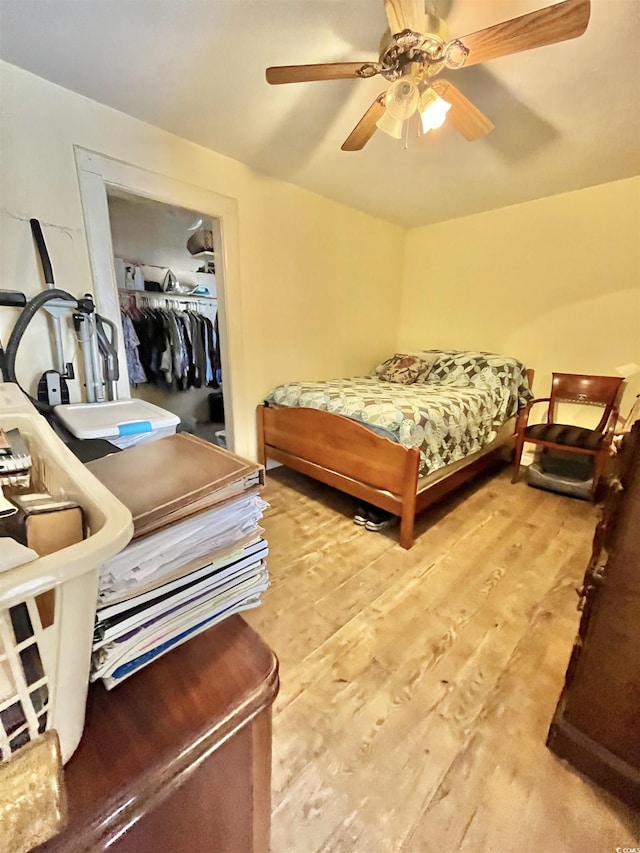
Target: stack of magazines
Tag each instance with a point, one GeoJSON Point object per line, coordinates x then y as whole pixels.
{"type": "Point", "coordinates": [197, 555]}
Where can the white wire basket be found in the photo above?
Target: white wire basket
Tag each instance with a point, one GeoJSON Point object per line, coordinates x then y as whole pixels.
{"type": "Point", "coordinates": [47, 606]}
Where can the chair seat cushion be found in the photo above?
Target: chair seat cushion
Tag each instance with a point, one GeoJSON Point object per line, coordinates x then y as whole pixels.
{"type": "Point", "coordinates": [565, 435]}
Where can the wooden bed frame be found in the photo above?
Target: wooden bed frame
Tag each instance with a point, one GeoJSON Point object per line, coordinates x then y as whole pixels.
{"type": "Point", "coordinates": [350, 457]}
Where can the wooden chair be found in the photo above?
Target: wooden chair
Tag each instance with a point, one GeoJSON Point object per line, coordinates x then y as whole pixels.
{"type": "Point", "coordinates": [578, 388]}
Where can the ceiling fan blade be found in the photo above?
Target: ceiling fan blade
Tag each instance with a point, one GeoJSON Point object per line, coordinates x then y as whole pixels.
{"type": "Point", "coordinates": [366, 127]}
{"type": "Point", "coordinates": [305, 73]}
{"type": "Point", "coordinates": [405, 15]}
{"type": "Point", "coordinates": [463, 115]}
{"type": "Point", "coordinates": [553, 24]}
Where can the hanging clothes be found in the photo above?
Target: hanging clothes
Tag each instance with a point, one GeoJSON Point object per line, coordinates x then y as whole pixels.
{"type": "Point", "coordinates": [177, 347]}
{"type": "Point", "coordinates": [131, 343]}
{"type": "Point", "coordinates": [216, 365]}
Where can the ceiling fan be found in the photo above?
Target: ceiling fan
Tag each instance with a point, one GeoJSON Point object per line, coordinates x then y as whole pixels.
{"type": "Point", "coordinates": [416, 49]}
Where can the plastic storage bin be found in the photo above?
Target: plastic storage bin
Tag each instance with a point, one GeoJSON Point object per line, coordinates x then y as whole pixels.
{"type": "Point", "coordinates": [44, 659]}
{"type": "Point", "coordinates": [122, 422]}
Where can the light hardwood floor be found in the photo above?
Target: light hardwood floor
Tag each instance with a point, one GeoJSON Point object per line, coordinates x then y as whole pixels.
{"type": "Point", "coordinates": [418, 686]}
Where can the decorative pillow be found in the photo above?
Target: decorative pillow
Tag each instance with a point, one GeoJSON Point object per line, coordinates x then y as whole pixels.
{"type": "Point", "coordinates": [402, 368]}
{"type": "Point", "coordinates": [428, 359]}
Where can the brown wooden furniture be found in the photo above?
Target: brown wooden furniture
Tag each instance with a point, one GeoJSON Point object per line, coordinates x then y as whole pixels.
{"type": "Point", "coordinates": [596, 726]}
{"type": "Point", "coordinates": [344, 454]}
{"type": "Point", "coordinates": [602, 391]}
{"type": "Point", "coordinates": [178, 757]}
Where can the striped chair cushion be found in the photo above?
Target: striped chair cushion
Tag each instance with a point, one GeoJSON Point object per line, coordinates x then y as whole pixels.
{"type": "Point", "coordinates": [565, 435]}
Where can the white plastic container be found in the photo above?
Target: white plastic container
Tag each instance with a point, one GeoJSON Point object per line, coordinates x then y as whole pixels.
{"type": "Point", "coordinates": [44, 668]}
{"type": "Point", "coordinates": [122, 422]}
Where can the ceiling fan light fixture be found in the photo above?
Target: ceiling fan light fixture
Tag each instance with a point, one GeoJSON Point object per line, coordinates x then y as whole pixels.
{"type": "Point", "coordinates": [402, 98]}
{"type": "Point", "coordinates": [416, 47]}
{"type": "Point", "coordinates": [390, 125]}
{"type": "Point", "coordinates": [433, 110]}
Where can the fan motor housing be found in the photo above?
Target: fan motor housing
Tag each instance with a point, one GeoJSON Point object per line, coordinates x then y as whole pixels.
{"type": "Point", "coordinates": [399, 50]}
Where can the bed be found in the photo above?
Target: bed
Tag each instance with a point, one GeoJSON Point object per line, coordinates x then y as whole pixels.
{"type": "Point", "coordinates": [418, 427]}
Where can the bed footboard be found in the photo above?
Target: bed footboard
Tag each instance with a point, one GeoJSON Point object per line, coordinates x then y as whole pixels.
{"type": "Point", "coordinates": [344, 454]}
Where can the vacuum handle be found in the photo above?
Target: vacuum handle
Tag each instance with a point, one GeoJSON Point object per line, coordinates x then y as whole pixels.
{"type": "Point", "coordinates": [47, 269]}
{"type": "Point", "coordinates": [108, 347]}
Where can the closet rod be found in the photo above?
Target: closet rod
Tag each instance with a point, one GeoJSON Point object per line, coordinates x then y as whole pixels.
{"type": "Point", "coordinates": [169, 298]}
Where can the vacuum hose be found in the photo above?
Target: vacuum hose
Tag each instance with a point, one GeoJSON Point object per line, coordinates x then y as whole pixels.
{"type": "Point", "coordinates": [19, 329]}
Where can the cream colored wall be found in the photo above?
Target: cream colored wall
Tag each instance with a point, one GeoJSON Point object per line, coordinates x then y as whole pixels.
{"type": "Point", "coordinates": [320, 282]}
{"type": "Point", "coordinates": [555, 282]}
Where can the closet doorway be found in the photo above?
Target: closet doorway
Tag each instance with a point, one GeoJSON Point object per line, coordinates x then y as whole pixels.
{"type": "Point", "coordinates": [164, 260]}
{"type": "Point", "coordinates": [106, 186]}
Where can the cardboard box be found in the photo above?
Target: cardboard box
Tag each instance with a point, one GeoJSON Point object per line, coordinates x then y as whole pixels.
{"type": "Point", "coordinates": [44, 523]}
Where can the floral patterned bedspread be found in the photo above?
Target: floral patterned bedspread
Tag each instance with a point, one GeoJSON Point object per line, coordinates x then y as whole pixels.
{"type": "Point", "coordinates": [456, 411]}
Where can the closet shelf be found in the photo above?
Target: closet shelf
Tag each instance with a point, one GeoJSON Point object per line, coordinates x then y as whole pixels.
{"type": "Point", "coordinates": [172, 297]}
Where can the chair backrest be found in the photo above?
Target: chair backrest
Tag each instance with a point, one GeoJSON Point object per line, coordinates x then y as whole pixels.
{"type": "Point", "coordinates": [590, 390]}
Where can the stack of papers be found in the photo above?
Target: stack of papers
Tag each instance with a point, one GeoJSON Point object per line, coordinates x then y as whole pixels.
{"type": "Point", "coordinates": [132, 632]}
{"type": "Point", "coordinates": [200, 557]}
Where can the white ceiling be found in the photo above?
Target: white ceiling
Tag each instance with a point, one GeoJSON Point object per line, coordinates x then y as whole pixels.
{"type": "Point", "coordinates": [567, 116]}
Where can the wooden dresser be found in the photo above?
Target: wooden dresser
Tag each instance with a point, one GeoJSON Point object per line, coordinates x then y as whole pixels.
{"type": "Point", "coordinates": [178, 757]}
{"type": "Point", "coordinates": [596, 726]}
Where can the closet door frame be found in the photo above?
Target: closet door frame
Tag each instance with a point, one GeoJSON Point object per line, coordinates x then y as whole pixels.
{"type": "Point", "coordinates": [96, 174]}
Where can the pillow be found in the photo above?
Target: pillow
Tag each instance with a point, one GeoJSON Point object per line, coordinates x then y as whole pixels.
{"type": "Point", "coordinates": [423, 360]}
{"type": "Point", "coordinates": [461, 368]}
{"type": "Point", "coordinates": [481, 369]}
{"type": "Point", "coordinates": [428, 359]}
{"type": "Point", "coordinates": [403, 368]}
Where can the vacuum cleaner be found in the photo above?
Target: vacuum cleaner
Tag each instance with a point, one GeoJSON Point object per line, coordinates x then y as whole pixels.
{"type": "Point", "coordinates": [96, 336]}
